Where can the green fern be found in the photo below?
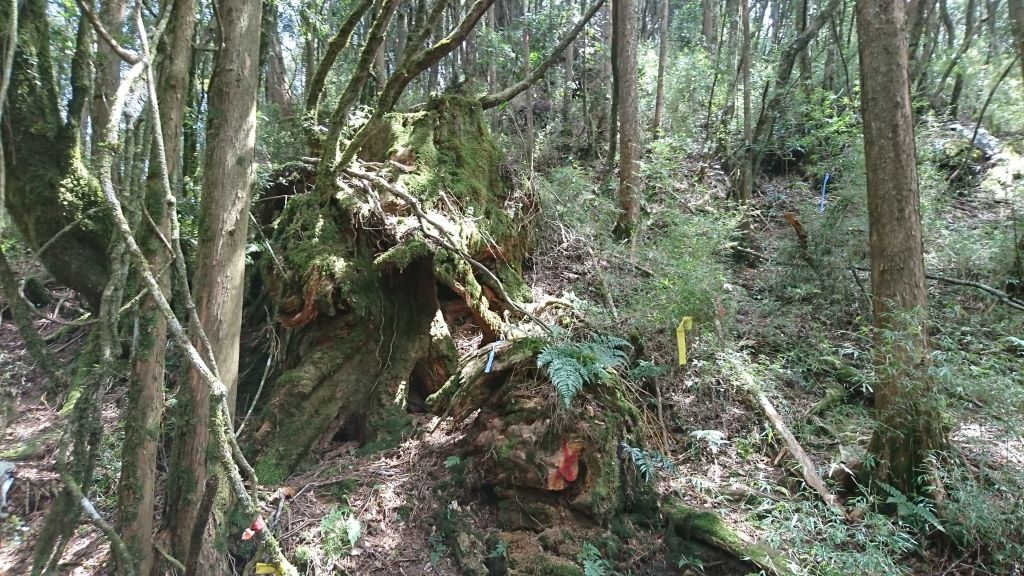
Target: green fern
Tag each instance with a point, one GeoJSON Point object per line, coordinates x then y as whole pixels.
{"type": "Point", "coordinates": [916, 514]}
{"type": "Point", "coordinates": [572, 365]}
{"type": "Point", "coordinates": [647, 462]}
{"type": "Point", "coordinates": [593, 564]}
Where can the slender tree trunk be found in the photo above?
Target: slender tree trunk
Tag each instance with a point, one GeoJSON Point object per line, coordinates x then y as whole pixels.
{"type": "Point", "coordinates": [220, 261]}
{"type": "Point", "coordinates": [659, 99]}
{"type": "Point", "coordinates": [1016, 8]}
{"type": "Point", "coordinates": [278, 93]}
{"type": "Point", "coordinates": [108, 70]}
{"type": "Point", "coordinates": [609, 81]}
{"type": "Point", "coordinates": [908, 425]}
{"type": "Point", "coordinates": [137, 484]}
{"type": "Point", "coordinates": [729, 112]}
{"type": "Point", "coordinates": [709, 25]}
{"type": "Point", "coordinates": [629, 123]}
{"type": "Point", "coordinates": [529, 90]}
{"type": "Point", "coordinates": [567, 85]}
{"type": "Point", "coordinates": [804, 58]}
{"type": "Point", "coordinates": [588, 119]}
{"type": "Point", "coordinates": [747, 177]}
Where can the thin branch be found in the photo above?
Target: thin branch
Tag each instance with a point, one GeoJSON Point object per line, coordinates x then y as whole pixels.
{"type": "Point", "coordinates": [981, 116]}
{"type": "Point", "coordinates": [359, 78]}
{"type": "Point", "coordinates": [67, 229]}
{"type": "Point", "coordinates": [492, 100]}
{"type": "Point", "coordinates": [128, 56]}
{"type": "Point", "coordinates": [410, 69]}
{"type": "Point", "coordinates": [998, 294]}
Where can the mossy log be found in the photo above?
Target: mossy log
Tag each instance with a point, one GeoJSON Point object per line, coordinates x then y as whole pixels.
{"type": "Point", "coordinates": [690, 524]}
{"type": "Point", "coordinates": [355, 276]}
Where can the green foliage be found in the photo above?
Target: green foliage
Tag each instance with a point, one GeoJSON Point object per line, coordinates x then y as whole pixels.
{"type": "Point", "coordinates": [829, 545]}
{"type": "Point", "coordinates": [571, 365]}
{"type": "Point", "coordinates": [693, 564]}
{"type": "Point", "coordinates": [593, 563]}
{"type": "Point", "coordinates": [647, 462]}
{"type": "Point", "coordinates": [645, 370]}
{"type": "Point", "coordinates": [917, 513]}
{"type": "Point", "coordinates": [438, 548]}
{"type": "Point", "coordinates": [340, 530]}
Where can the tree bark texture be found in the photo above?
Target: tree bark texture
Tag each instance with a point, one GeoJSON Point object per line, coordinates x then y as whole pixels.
{"type": "Point", "coordinates": [220, 260]}
{"type": "Point", "coordinates": [108, 70]}
{"type": "Point", "coordinates": [659, 97]}
{"type": "Point", "coordinates": [1016, 8]}
{"type": "Point", "coordinates": [629, 123]}
{"type": "Point", "coordinates": [907, 425]}
{"type": "Point", "coordinates": [48, 186]}
{"type": "Point", "coordinates": [136, 488]}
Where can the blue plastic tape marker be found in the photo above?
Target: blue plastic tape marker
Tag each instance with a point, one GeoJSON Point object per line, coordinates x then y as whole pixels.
{"type": "Point", "coordinates": [824, 194]}
{"type": "Point", "coordinates": [490, 357]}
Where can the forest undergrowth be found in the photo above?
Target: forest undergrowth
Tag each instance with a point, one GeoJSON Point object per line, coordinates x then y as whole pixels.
{"type": "Point", "coordinates": [794, 317]}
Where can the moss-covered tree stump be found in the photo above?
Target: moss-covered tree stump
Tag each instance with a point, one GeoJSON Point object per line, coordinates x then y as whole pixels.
{"type": "Point", "coordinates": [356, 271]}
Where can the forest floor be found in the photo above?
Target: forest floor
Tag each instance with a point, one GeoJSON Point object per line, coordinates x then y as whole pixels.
{"type": "Point", "coordinates": [795, 318]}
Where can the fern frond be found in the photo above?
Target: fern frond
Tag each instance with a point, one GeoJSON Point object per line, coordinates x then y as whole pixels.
{"type": "Point", "coordinates": [572, 365]}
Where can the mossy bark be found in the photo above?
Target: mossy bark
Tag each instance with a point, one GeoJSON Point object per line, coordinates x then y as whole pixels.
{"type": "Point", "coordinates": [355, 276]}
{"type": "Point", "coordinates": [48, 186]}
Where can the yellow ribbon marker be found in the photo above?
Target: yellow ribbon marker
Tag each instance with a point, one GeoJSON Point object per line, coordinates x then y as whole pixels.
{"type": "Point", "coordinates": [685, 324]}
{"type": "Point", "coordinates": [264, 568]}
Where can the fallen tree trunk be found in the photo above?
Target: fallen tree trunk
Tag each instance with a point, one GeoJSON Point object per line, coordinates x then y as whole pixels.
{"type": "Point", "coordinates": [807, 468]}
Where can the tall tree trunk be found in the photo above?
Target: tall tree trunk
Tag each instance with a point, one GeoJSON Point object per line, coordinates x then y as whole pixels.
{"type": "Point", "coordinates": [611, 116]}
{"type": "Point", "coordinates": [804, 58]}
{"type": "Point", "coordinates": [747, 176]}
{"type": "Point", "coordinates": [529, 90]}
{"type": "Point", "coordinates": [709, 24]}
{"type": "Point", "coordinates": [142, 415]}
{"type": "Point", "coordinates": [108, 70]}
{"type": "Point", "coordinates": [220, 259]}
{"type": "Point", "coordinates": [629, 122]}
{"type": "Point", "coordinates": [567, 85]}
{"type": "Point", "coordinates": [278, 93]}
{"type": "Point", "coordinates": [731, 6]}
{"type": "Point", "coordinates": [659, 98]}
{"type": "Point", "coordinates": [908, 425]}
{"type": "Point", "coordinates": [1016, 8]}
{"type": "Point", "coordinates": [917, 22]}
{"type": "Point", "coordinates": [136, 488]}
{"type": "Point", "coordinates": [787, 61]}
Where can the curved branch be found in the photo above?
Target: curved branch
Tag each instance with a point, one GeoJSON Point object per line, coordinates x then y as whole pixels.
{"type": "Point", "coordinates": [386, 9]}
{"type": "Point", "coordinates": [492, 100]}
{"type": "Point", "coordinates": [334, 48]}
{"type": "Point", "coordinates": [410, 69]}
